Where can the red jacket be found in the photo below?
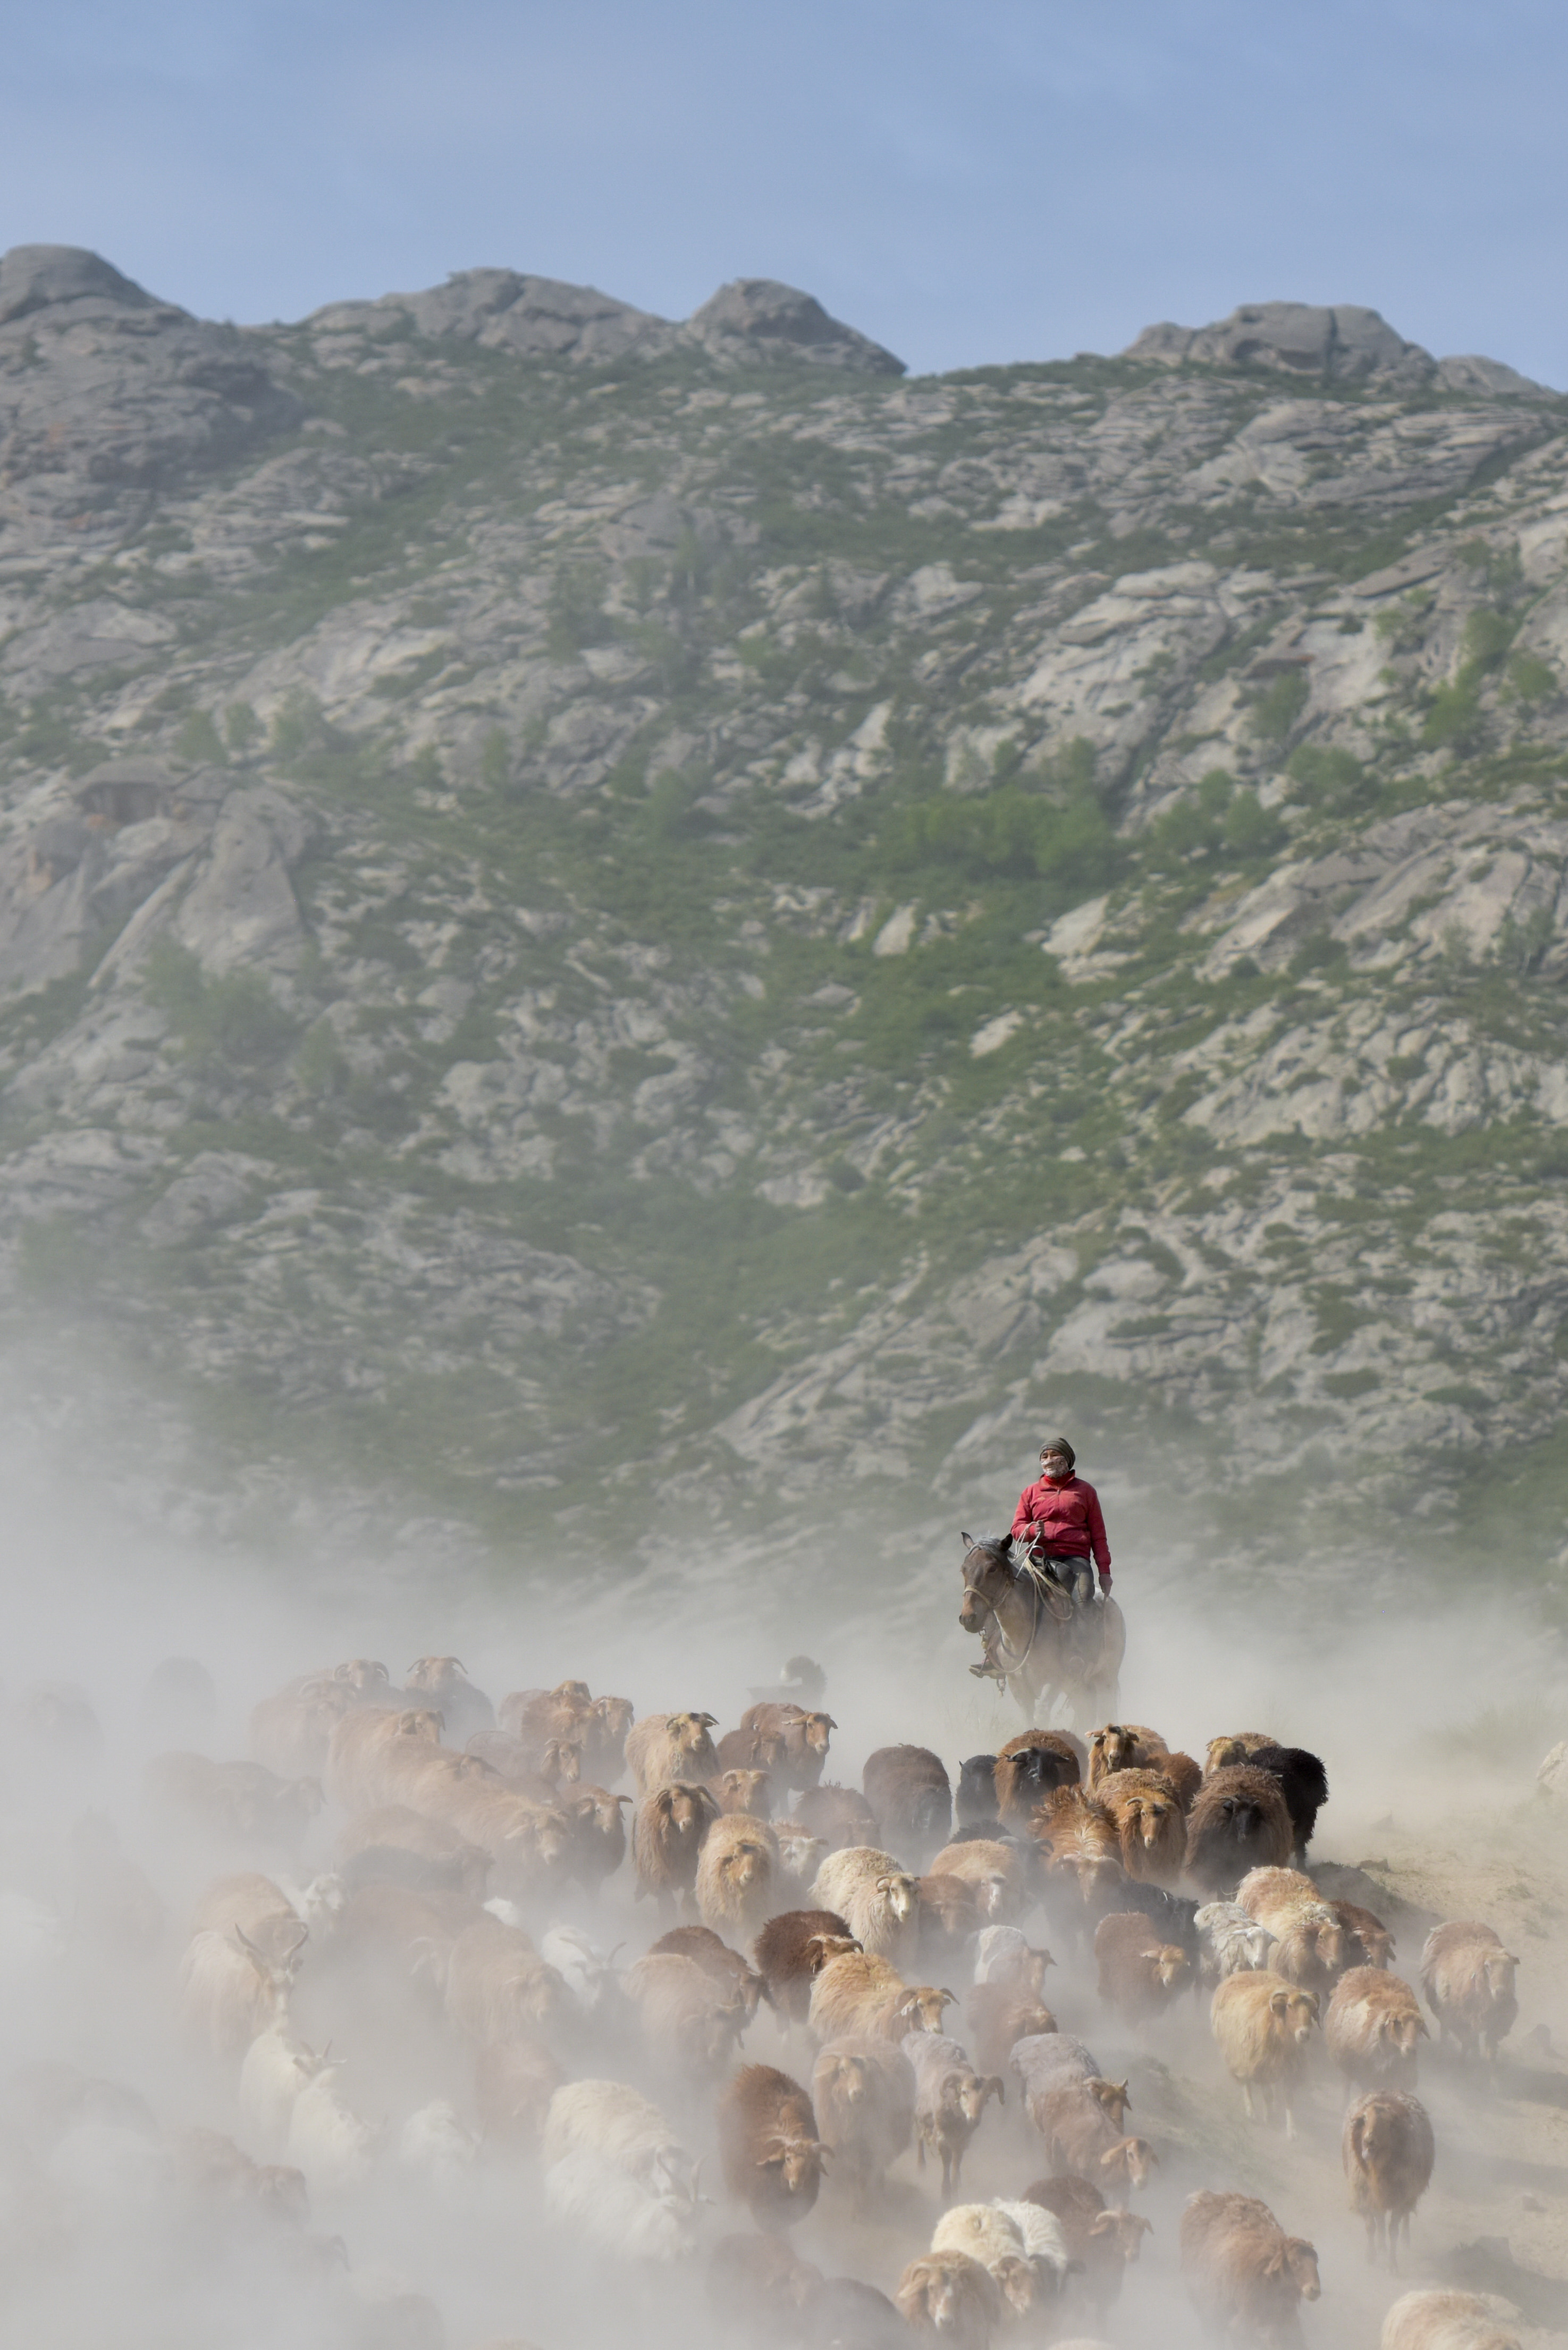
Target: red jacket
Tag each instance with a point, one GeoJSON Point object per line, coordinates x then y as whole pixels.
{"type": "Point", "coordinates": [1068, 1518]}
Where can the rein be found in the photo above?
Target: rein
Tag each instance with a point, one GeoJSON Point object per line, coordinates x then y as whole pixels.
{"type": "Point", "coordinates": [1016, 1662]}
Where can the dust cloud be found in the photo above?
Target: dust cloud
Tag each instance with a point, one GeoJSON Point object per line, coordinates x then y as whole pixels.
{"type": "Point", "coordinates": [122, 2230]}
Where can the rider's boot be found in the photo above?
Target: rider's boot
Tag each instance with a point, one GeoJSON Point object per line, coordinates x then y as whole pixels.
{"type": "Point", "coordinates": [989, 1670]}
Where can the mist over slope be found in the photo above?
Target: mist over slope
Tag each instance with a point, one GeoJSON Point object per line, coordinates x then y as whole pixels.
{"type": "Point", "coordinates": [621, 923]}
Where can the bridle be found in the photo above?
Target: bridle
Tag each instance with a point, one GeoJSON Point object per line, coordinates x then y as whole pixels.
{"type": "Point", "coordinates": [1015, 1661]}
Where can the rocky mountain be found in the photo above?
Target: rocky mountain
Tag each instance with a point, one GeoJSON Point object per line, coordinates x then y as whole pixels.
{"type": "Point", "coordinates": [597, 908]}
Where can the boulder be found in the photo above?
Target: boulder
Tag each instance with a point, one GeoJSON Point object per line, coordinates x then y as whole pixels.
{"type": "Point", "coordinates": [756, 318]}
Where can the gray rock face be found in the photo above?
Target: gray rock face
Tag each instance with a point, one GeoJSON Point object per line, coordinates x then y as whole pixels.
{"type": "Point", "coordinates": [103, 388]}
{"type": "Point", "coordinates": [756, 318]}
{"type": "Point", "coordinates": [1344, 344]}
{"type": "Point", "coordinates": [749, 321]}
{"type": "Point", "coordinates": [1489, 378]}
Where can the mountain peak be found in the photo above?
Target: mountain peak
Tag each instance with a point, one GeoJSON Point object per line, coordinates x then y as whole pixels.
{"type": "Point", "coordinates": [39, 277]}
{"type": "Point", "coordinates": [1344, 342]}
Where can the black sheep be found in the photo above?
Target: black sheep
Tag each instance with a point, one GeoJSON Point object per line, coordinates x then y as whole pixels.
{"type": "Point", "coordinates": [1303, 1783]}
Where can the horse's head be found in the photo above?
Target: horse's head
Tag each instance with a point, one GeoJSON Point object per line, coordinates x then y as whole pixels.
{"type": "Point", "coordinates": [986, 1576]}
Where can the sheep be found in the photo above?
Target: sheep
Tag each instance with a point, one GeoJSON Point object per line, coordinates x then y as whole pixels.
{"type": "Point", "coordinates": [534, 1714]}
{"type": "Point", "coordinates": [1469, 1978]}
{"type": "Point", "coordinates": [1080, 1846]}
{"type": "Point", "coordinates": [744, 1791]}
{"type": "Point", "coordinates": [860, 1991]}
{"type": "Point", "coordinates": [359, 1775]}
{"type": "Point", "coordinates": [616, 2213]}
{"type": "Point", "coordinates": [247, 2203]}
{"type": "Point", "coordinates": [950, 2098]}
{"type": "Point", "coordinates": [1027, 1769]}
{"type": "Point", "coordinates": [276, 2067]}
{"type": "Point", "coordinates": [514, 2082]}
{"type": "Point", "coordinates": [737, 1875]}
{"type": "Point", "coordinates": [989, 2234]}
{"type": "Point", "coordinates": [801, 1854]}
{"type": "Point", "coordinates": [1436, 2319]}
{"type": "Point", "coordinates": [836, 1817]}
{"type": "Point", "coordinates": [772, 2156]}
{"type": "Point", "coordinates": [1237, 1822]}
{"type": "Point", "coordinates": [725, 1966]}
{"type": "Point", "coordinates": [290, 1732]}
{"type": "Point", "coordinates": [951, 2298]}
{"type": "Point", "coordinates": [1374, 2028]}
{"type": "Point", "coordinates": [863, 2091]}
{"type": "Point", "coordinates": [614, 2125]}
{"type": "Point", "coordinates": [664, 1748]}
{"type": "Point", "coordinates": [875, 1894]}
{"type": "Point", "coordinates": [845, 2314]}
{"type": "Point", "coordinates": [999, 2015]}
{"type": "Point", "coordinates": [1303, 1783]}
{"type": "Point", "coordinates": [441, 1682]}
{"type": "Point", "coordinates": [1230, 1942]}
{"type": "Point", "coordinates": [1388, 2150]}
{"type": "Point", "coordinates": [1150, 1827]}
{"type": "Point", "coordinates": [947, 1920]}
{"type": "Point", "coordinates": [1245, 2272]}
{"type": "Point", "coordinates": [1140, 1975]}
{"type": "Point", "coordinates": [597, 1833]}
{"type": "Point", "coordinates": [995, 1872]}
{"type": "Point", "coordinates": [1053, 2059]}
{"type": "Point", "coordinates": [1185, 1774]}
{"type": "Point", "coordinates": [750, 1749]}
{"type": "Point", "coordinates": [604, 1730]}
{"type": "Point", "coordinates": [690, 2023]}
{"type": "Point", "coordinates": [253, 1906]}
{"type": "Point", "coordinates": [974, 1798]}
{"type": "Point", "coordinates": [1002, 1954]}
{"type": "Point", "coordinates": [1122, 1746]}
{"type": "Point", "coordinates": [1238, 1747]}
{"type": "Point", "coordinates": [523, 1765]}
{"type": "Point", "coordinates": [399, 1846]}
{"type": "Point", "coordinates": [791, 1950]}
{"type": "Point", "coordinates": [1046, 2245]}
{"type": "Point", "coordinates": [436, 2146]}
{"type": "Point", "coordinates": [229, 1990]}
{"type": "Point", "coordinates": [1102, 2243]}
{"type": "Point", "coordinates": [758, 2285]}
{"type": "Point", "coordinates": [333, 2145]}
{"type": "Point", "coordinates": [497, 1984]}
{"type": "Point", "coordinates": [1368, 1941]}
{"type": "Point", "coordinates": [241, 1804]}
{"type": "Point", "coordinates": [1263, 2026]}
{"type": "Point", "coordinates": [909, 1790]}
{"type": "Point", "coordinates": [806, 1737]}
{"type": "Point", "coordinates": [1309, 1947]}
{"type": "Point", "coordinates": [1082, 2127]}
{"type": "Point", "coordinates": [666, 1831]}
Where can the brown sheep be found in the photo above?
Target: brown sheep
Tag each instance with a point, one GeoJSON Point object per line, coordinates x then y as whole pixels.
{"type": "Point", "coordinates": [1309, 1941]}
{"type": "Point", "coordinates": [860, 1991]}
{"type": "Point", "coordinates": [947, 1920]}
{"type": "Point", "coordinates": [768, 2143]}
{"type": "Point", "coordinates": [737, 1875]}
{"type": "Point", "coordinates": [1436, 2319]}
{"type": "Point", "coordinates": [863, 2092]}
{"type": "Point", "coordinates": [534, 1715]}
{"type": "Point", "coordinates": [1140, 1974]}
{"type": "Point", "coordinates": [1388, 2150]}
{"type": "Point", "coordinates": [1244, 2274]}
{"type": "Point", "coordinates": [996, 1873]}
{"type": "Point", "coordinates": [665, 1749]}
{"type": "Point", "coordinates": [604, 1730]}
{"type": "Point", "coordinates": [1150, 1826]}
{"type": "Point", "coordinates": [727, 1967]}
{"type": "Point", "coordinates": [1122, 1746]}
{"type": "Point", "coordinates": [1080, 1851]}
{"type": "Point", "coordinates": [1374, 2029]}
{"type": "Point", "coordinates": [666, 1833]}
{"type": "Point", "coordinates": [1237, 1822]}
{"type": "Point", "coordinates": [1185, 1774]}
{"type": "Point", "coordinates": [950, 2299]}
{"type": "Point", "coordinates": [1263, 2026]}
{"type": "Point", "coordinates": [908, 1789]}
{"type": "Point", "coordinates": [1467, 1978]}
{"type": "Point", "coordinates": [691, 2024]}
{"type": "Point", "coordinates": [498, 1986]}
{"type": "Point", "coordinates": [1062, 1760]}
{"type": "Point", "coordinates": [1240, 1747]}
{"type": "Point", "coordinates": [806, 1738]}
{"type": "Point", "coordinates": [791, 1950]}
{"type": "Point", "coordinates": [999, 2015]}
{"type": "Point", "coordinates": [531, 1845]}
{"type": "Point", "coordinates": [359, 1775]}
{"type": "Point", "coordinates": [750, 1749]}
{"type": "Point", "coordinates": [836, 1817]}
{"type": "Point", "coordinates": [1105, 2241]}
{"type": "Point", "coordinates": [1081, 2123]}
{"type": "Point", "coordinates": [758, 2286]}
{"type": "Point", "coordinates": [1368, 1941]}
{"type": "Point", "coordinates": [290, 1732]}
{"type": "Point", "coordinates": [441, 1682]}
{"type": "Point", "coordinates": [239, 1806]}
{"type": "Point", "coordinates": [950, 2098]}
{"type": "Point", "coordinates": [261, 1914]}
{"type": "Point", "coordinates": [744, 1791]}
{"type": "Point", "coordinates": [516, 1762]}
{"type": "Point", "coordinates": [514, 2082]}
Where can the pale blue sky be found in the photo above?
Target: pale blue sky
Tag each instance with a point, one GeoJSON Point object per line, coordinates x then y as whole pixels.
{"type": "Point", "coordinates": [995, 181]}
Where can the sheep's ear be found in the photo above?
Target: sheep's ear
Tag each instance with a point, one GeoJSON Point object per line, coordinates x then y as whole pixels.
{"type": "Point", "coordinates": [1279, 2000]}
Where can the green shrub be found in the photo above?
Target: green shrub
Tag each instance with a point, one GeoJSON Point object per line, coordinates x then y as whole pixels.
{"type": "Point", "coordinates": [199, 741]}
{"type": "Point", "coordinates": [242, 728]}
{"type": "Point", "coordinates": [232, 1018]}
{"type": "Point", "coordinates": [1333, 778]}
{"type": "Point", "coordinates": [1273, 716]}
{"type": "Point", "coordinates": [1532, 679]}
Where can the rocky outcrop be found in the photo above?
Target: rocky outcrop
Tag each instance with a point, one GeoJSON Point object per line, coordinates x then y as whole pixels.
{"type": "Point", "coordinates": [1345, 344]}
{"type": "Point", "coordinates": [756, 318]}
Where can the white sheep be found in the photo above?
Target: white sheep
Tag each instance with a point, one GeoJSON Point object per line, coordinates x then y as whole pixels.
{"type": "Point", "coordinates": [277, 2067]}
{"type": "Point", "coordinates": [436, 2146]}
{"type": "Point", "coordinates": [329, 2142]}
{"type": "Point", "coordinates": [1044, 2239]}
{"type": "Point", "coordinates": [1231, 1941]}
{"type": "Point", "coordinates": [230, 1992]}
{"type": "Point", "coordinates": [875, 1897]}
{"type": "Point", "coordinates": [617, 2213]}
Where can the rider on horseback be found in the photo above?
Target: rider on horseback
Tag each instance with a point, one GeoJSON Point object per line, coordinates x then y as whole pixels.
{"type": "Point", "coordinates": [1058, 1524]}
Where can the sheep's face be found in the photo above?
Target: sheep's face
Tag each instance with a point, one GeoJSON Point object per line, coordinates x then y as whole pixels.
{"type": "Point", "coordinates": [1123, 2229]}
{"type": "Point", "coordinates": [418, 1722]}
{"type": "Point", "coordinates": [745, 1866]}
{"type": "Point", "coordinates": [921, 2009]}
{"type": "Point", "coordinates": [1112, 2095]}
{"type": "Point", "coordinates": [1498, 1974]}
{"type": "Point", "coordinates": [846, 2080]}
{"type": "Point", "coordinates": [1150, 1817]}
{"type": "Point", "coordinates": [816, 1730]}
{"type": "Point", "coordinates": [1403, 2035]}
{"type": "Point", "coordinates": [973, 2093]}
{"type": "Point", "coordinates": [795, 2164]}
{"type": "Point", "coordinates": [1299, 2261]}
{"type": "Point", "coordinates": [1296, 2012]}
{"type": "Point", "coordinates": [435, 1673]}
{"type": "Point", "coordinates": [1132, 2160]}
{"type": "Point", "coordinates": [899, 1897]}
{"type": "Point", "coordinates": [689, 1731]}
{"type": "Point", "coordinates": [1172, 1966]}
{"type": "Point", "coordinates": [362, 1673]}
{"type": "Point", "coordinates": [1021, 2282]}
{"type": "Point", "coordinates": [743, 1791]}
{"type": "Point", "coordinates": [1223, 1752]}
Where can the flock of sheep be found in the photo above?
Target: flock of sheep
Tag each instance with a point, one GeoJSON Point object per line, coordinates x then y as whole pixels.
{"type": "Point", "coordinates": [542, 1930]}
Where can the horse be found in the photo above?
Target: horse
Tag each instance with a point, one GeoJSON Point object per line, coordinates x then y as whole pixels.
{"type": "Point", "coordinates": [1046, 1656]}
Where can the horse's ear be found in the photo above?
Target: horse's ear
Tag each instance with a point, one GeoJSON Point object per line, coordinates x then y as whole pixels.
{"type": "Point", "coordinates": [968, 1541]}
